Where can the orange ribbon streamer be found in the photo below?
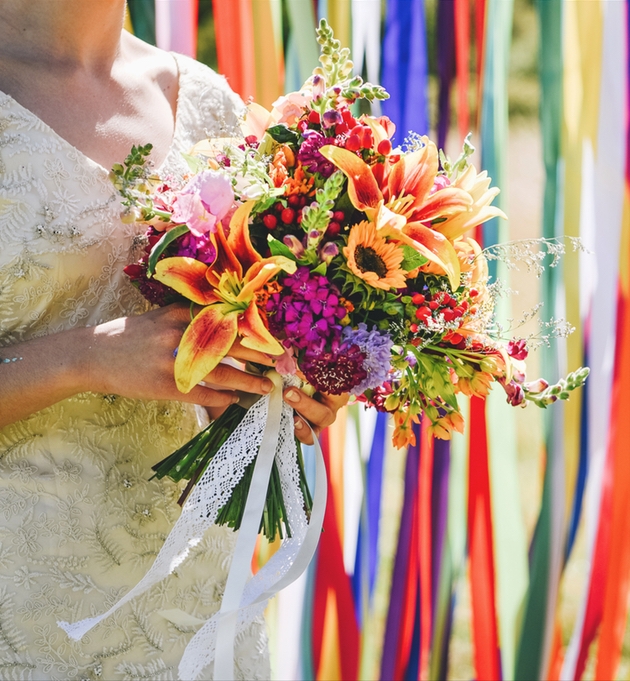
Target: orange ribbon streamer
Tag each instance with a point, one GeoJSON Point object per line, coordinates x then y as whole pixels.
{"type": "Point", "coordinates": [235, 44]}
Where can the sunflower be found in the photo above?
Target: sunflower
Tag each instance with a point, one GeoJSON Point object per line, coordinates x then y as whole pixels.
{"type": "Point", "coordinates": [372, 259]}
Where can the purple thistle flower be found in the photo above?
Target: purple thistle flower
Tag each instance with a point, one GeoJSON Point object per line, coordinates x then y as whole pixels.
{"type": "Point", "coordinates": [377, 348]}
{"type": "Point", "coordinates": [309, 155]}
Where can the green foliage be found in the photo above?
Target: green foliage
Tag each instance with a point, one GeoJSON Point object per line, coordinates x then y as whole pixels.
{"type": "Point", "coordinates": [166, 239]}
{"type": "Point", "coordinates": [280, 133]}
{"type": "Point", "coordinates": [278, 248]}
{"type": "Point", "coordinates": [451, 169]}
{"type": "Point", "coordinates": [560, 391]}
{"type": "Point", "coordinates": [412, 259]}
{"type": "Point", "coordinates": [135, 183]}
{"type": "Point", "coordinates": [316, 217]}
{"type": "Point", "coordinates": [336, 70]}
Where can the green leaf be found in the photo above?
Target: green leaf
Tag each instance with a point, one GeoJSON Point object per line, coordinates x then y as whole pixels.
{"type": "Point", "coordinates": [195, 164]}
{"type": "Point", "coordinates": [278, 248]}
{"type": "Point", "coordinates": [320, 269]}
{"type": "Point", "coordinates": [282, 134]}
{"type": "Point", "coordinates": [166, 239]}
{"type": "Point", "coordinates": [265, 203]}
{"type": "Point", "coordinates": [393, 309]}
{"type": "Point", "coordinates": [412, 259]}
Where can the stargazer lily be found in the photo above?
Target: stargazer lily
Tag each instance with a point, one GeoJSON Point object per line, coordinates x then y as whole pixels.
{"type": "Point", "coordinates": [400, 198]}
{"type": "Point", "coordinates": [227, 290]}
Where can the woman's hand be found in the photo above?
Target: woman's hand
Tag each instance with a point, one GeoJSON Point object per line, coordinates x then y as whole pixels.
{"type": "Point", "coordinates": [319, 411]}
{"type": "Point", "coordinates": [134, 357]}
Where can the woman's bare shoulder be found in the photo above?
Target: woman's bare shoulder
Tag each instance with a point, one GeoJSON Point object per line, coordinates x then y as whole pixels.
{"type": "Point", "coordinates": [149, 61]}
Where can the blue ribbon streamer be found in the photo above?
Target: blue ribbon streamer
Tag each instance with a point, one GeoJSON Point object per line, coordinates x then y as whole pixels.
{"type": "Point", "coordinates": [404, 71]}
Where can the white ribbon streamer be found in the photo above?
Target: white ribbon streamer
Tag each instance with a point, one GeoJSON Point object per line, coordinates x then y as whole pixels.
{"type": "Point", "coordinates": [267, 429]}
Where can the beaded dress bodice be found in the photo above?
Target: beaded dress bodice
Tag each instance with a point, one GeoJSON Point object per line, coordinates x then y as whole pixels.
{"type": "Point", "coordinates": [80, 522]}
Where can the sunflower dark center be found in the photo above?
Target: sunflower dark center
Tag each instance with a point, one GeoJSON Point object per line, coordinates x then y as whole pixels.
{"type": "Point", "coordinates": [368, 260]}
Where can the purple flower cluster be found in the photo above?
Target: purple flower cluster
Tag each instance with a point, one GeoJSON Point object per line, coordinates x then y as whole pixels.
{"type": "Point", "coordinates": [151, 289]}
{"type": "Point", "coordinates": [377, 348]}
{"type": "Point", "coordinates": [198, 247]}
{"type": "Point", "coordinates": [307, 311]}
{"type": "Point", "coordinates": [309, 155]}
{"type": "Point", "coordinates": [187, 246]}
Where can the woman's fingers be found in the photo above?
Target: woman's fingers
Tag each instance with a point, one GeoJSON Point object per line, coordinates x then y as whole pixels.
{"type": "Point", "coordinates": [319, 413]}
{"type": "Point", "coordinates": [219, 400]}
{"type": "Point", "coordinates": [247, 355]}
{"type": "Point", "coordinates": [226, 376]}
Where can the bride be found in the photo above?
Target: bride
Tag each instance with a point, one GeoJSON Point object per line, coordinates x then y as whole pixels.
{"type": "Point", "coordinates": [87, 397]}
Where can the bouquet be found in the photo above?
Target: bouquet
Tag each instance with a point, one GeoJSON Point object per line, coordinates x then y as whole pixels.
{"type": "Point", "coordinates": [346, 259]}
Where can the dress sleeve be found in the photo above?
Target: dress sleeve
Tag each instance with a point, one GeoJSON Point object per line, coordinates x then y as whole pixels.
{"type": "Point", "coordinates": [207, 106]}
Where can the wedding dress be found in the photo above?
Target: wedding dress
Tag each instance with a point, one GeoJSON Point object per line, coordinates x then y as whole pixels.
{"type": "Point", "coordinates": [80, 522]}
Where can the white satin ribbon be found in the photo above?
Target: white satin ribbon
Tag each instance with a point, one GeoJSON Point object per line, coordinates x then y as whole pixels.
{"type": "Point", "coordinates": [244, 597]}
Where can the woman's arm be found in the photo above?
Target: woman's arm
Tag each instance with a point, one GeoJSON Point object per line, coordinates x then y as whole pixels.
{"type": "Point", "coordinates": [131, 357]}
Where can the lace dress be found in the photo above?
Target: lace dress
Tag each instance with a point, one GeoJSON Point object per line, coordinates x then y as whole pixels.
{"type": "Point", "coordinates": [80, 523]}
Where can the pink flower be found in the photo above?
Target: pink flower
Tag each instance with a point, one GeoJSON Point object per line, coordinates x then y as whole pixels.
{"type": "Point", "coordinates": [440, 182]}
{"type": "Point", "coordinates": [288, 108]}
{"type": "Point", "coordinates": [203, 202]}
{"type": "Point", "coordinates": [286, 364]}
{"type": "Point", "coordinates": [517, 348]}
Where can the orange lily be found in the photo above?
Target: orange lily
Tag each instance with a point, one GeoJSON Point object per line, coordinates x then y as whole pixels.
{"type": "Point", "coordinates": [227, 290]}
{"type": "Point", "coordinates": [399, 200]}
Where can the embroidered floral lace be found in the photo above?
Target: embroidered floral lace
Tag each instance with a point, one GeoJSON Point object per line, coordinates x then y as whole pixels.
{"type": "Point", "coordinates": [80, 523]}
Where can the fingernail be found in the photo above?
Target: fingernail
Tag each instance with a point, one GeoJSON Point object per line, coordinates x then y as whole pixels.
{"type": "Point", "coordinates": [266, 385]}
{"type": "Point", "coordinates": [292, 396]}
{"type": "Point", "coordinates": [298, 424]}
{"type": "Point", "coordinates": [235, 399]}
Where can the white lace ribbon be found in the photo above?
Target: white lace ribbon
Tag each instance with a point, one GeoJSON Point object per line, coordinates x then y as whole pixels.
{"type": "Point", "coordinates": [267, 428]}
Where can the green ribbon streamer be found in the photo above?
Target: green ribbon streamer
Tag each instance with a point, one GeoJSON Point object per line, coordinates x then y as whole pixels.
{"type": "Point", "coordinates": [303, 41]}
{"type": "Point", "coordinates": [535, 633]}
{"type": "Point", "coordinates": [509, 534]}
{"type": "Point", "coordinates": [142, 13]}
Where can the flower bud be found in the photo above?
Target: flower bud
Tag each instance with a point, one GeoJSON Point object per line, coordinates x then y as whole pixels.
{"type": "Point", "coordinates": [319, 86]}
{"type": "Point", "coordinates": [294, 244]}
{"type": "Point", "coordinates": [392, 402]}
{"type": "Point", "coordinates": [328, 251]}
{"type": "Point", "coordinates": [131, 214]}
{"type": "Point", "coordinates": [331, 118]}
{"type": "Point", "coordinates": [536, 386]}
{"type": "Point", "coordinates": [515, 393]}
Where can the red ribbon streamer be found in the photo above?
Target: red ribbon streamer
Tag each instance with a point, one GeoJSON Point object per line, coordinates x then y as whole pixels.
{"type": "Point", "coordinates": [617, 578]}
{"type": "Point", "coordinates": [482, 578]}
{"type": "Point", "coordinates": [425, 484]}
{"type": "Point", "coordinates": [331, 574]}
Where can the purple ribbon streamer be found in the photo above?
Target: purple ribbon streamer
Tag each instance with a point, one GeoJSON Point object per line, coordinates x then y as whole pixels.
{"type": "Point", "coordinates": [445, 65]}
{"type": "Point", "coordinates": [439, 513]}
{"type": "Point", "coordinates": [399, 577]}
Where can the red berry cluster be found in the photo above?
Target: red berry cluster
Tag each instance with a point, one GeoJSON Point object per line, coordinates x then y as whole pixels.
{"type": "Point", "coordinates": [442, 303]}
{"type": "Point", "coordinates": [288, 215]}
{"type": "Point", "coordinates": [334, 226]}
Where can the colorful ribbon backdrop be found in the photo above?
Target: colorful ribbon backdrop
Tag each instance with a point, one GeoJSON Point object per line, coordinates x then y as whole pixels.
{"type": "Point", "coordinates": [401, 528]}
